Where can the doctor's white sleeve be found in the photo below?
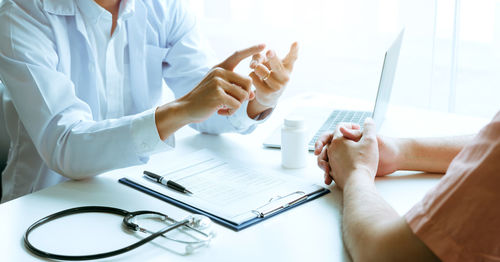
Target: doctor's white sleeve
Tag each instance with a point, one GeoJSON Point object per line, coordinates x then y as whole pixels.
{"type": "Point", "coordinates": [60, 125]}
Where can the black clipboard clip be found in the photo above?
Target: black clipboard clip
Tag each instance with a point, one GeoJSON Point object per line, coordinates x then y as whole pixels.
{"type": "Point", "coordinates": [279, 203]}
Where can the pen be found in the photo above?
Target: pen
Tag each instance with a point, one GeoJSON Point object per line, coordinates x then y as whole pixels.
{"type": "Point", "coordinates": [169, 183]}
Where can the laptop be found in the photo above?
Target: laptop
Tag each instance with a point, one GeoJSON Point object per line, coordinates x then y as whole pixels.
{"type": "Point", "coordinates": [338, 115]}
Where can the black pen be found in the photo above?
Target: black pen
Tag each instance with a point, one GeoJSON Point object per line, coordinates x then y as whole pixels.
{"type": "Point", "coordinates": [169, 183]}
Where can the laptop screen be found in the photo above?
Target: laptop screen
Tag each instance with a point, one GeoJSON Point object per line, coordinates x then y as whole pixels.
{"type": "Point", "coordinates": [386, 80]}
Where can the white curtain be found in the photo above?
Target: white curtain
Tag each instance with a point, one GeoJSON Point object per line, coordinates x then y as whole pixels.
{"type": "Point", "coordinates": [449, 59]}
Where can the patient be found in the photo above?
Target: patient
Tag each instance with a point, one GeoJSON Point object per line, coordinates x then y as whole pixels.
{"type": "Point", "coordinates": [458, 220]}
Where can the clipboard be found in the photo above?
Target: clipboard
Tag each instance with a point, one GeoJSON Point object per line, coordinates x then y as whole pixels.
{"type": "Point", "coordinates": [267, 210]}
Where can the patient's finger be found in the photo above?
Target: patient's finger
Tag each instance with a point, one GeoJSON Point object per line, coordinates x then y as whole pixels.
{"type": "Point", "coordinates": [351, 134]}
{"type": "Point", "coordinates": [353, 126]}
{"type": "Point", "coordinates": [328, 178]}
{"type": "Point", "coordinates": [323, 159]}
{"type": "Point", "coordinates": [338, 133]}
{"type": "Point", "coordinates": [323, 140]}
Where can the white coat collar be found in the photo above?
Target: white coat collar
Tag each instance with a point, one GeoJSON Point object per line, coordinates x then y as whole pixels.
{"type": "Point", "coordinates": [60, 7]}
{"type": "Point", "coordinates": [92, 11]}
{"type": "Point", "coordinates": [68, 7]}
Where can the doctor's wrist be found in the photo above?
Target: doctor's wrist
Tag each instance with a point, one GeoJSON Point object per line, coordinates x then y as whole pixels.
{"type": "Point", "coordinates": [170, 118]}
{"type": "Point", "coordinates": [255, 109]}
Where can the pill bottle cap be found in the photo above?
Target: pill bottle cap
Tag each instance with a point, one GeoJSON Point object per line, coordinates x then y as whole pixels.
{"type": "Point", "coordinates": [294, 121]}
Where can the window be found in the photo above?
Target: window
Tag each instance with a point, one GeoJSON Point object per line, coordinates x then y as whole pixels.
{"type": "Point", "coordinates": [449, 59]}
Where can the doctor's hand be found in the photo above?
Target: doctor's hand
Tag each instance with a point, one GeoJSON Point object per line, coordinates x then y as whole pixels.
{"type": "Point", "coordinates": [221, 90]}
{"type": "Point", "coordinates": [271, 74]}
{"type": "Point", "coordinates": [351, 159]}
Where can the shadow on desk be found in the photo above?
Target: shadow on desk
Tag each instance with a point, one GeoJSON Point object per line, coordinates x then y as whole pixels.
{"type": "Point", "coordinates": [395, 182]}
{"type": "Point", "coordinates": [202, 140]}
{"type": "Point", "coordinates": [410, 175]}
{"type": "Point", "coordinates": [403, 190]}
{"type": "Point", "coordinates": [76, 192]}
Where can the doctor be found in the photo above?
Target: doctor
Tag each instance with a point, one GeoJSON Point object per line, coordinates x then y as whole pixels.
{"type": "Point", "coordinates": [83, 85]}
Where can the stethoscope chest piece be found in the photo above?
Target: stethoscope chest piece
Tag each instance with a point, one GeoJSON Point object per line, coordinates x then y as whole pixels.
{"type": "Point", "coordinates": [200, 222]}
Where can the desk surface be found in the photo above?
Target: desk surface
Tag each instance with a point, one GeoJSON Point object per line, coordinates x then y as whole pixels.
{"type": "Point", "coordinates": [308, 232]}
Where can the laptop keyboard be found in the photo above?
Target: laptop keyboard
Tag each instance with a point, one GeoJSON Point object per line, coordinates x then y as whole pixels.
{"type": "Point", "coordinates": [337, 117]}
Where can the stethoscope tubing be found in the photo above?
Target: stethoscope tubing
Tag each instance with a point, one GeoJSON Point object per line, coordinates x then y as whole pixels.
{"type": "Point", "coordinates": [92, 209]}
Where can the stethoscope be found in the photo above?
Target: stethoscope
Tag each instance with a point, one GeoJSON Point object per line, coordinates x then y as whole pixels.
{"type": "Point", "coordinates": [197, 223]}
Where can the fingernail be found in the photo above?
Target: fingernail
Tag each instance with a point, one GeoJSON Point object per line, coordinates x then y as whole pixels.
{"type": "Point", "coordinates": [253, 64]}
{"type": "Point", "coordinates": [270, 53]}
{"type": "Point", "coordinates": [252, 95]}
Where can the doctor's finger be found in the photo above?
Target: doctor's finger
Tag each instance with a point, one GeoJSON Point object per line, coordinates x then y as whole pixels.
{"type": "Point", "coordinates": [228, 105]}
{"type": "Point", "coordinates": [274, 61]}
{"type": "Point", "coordinates": [257, 59]}
{"type": "Point", "coordinates": [236, 92]}
{"type": "Point", "coordinates": [262, 71]}
{"type": "Point", "coordinates": [277, 67]}
{"type": "Point", "coordinates": [234, 78]}
{"type": "Point", "coordinates": [291, 57]}
{"type": "Point", "coordinates": [273, 83]}
{"type": "Point", "coordinates": [259, 84]}
{"type": "Point", "coordinates": [231, 62]}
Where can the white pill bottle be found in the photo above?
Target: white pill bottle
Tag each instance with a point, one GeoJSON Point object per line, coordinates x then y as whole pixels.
{"type": "Point", "coordinates": [294, 143]}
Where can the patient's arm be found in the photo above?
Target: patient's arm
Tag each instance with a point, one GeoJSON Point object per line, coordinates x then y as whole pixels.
{"type": "Point", "coordinates": [432, 155]}
{"type": "Point", "coordinates": [373, 231]}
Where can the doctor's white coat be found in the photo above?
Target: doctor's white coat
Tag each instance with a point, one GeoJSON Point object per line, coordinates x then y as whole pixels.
{"type": "Point", "coordinates": [50, 102]}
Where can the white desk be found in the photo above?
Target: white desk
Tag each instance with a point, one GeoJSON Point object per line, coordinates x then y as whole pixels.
{"type": "Point", "coordinates": [306, 233]}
